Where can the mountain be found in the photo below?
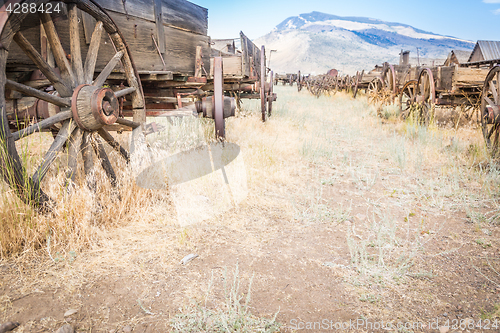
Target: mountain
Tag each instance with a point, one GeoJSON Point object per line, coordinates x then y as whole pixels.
{"type": "Point", "coordinates": [316, 42]}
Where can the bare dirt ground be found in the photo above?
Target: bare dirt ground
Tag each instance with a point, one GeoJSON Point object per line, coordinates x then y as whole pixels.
{"type": "Point", "coordinates": [351, 223]}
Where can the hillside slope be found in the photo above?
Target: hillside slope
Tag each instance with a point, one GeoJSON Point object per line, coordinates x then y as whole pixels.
{"type": "Point", "coordinates": [316, 42]}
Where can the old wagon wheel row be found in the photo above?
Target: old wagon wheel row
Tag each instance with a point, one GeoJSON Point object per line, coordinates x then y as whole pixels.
{"type": "Point", "coordinates": [82, 105]}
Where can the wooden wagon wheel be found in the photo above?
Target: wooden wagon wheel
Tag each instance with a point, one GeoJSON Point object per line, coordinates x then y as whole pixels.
{"type": "Point", "coordinates": [80, 104]}
{"type": "Point", "coordinates": [263, 82]}
{"type": "Point", "coordinates": [389, 78]}
{"type": "Point", "coordinates": [220, 127]}
{"type": "Point", "coordinates": [374, 90]}
{"type": "Point", "coordinates": [299, 82]}
{"type": "Point", "coordinates": [407, 98]}
{"type": "Point", "coordinates": [359, 77]}
{"type": "Point", "coordinates": [490, 110]}
{"type": "Point", "coordinates": [426, 96]}
{"type": "Point", "coordinates": [270, 96]}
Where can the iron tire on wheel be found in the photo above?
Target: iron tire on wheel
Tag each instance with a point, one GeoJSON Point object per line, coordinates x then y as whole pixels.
{"type": "Point", "coordinates": [490, 110]}
{"type": "Point", "coordinates": [426, 96]}
{"type": "Point", "coordinates": [270, 96]}
{"type": "Point", "coordinates": [82, 104]}
{"type": "Point", "coordinates": [389, 78]}
{"type": "Point", "coordinates": [263, 82]}
{"type": "Point", "coordinates": [220, 126]}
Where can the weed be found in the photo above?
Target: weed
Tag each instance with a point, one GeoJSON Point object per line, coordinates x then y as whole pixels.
{"type": "Point", "coordinates": [482, 243]}
{"type": "Point", "coordinates": [491, 315]}
{"type": "Point", "coordinates": [369, 298]}
{"type": "Point", "coordinates": [233, 315]}
{"type": "Point", "coordinates": [381, 256]}
{"type": "Point", "coordinates": [398, 151]}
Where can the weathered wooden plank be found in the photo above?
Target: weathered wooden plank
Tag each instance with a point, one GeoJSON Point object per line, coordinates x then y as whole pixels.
{"type": "Point", "coordinates": [175, 13]}
{"type": "Point", "coordinates": [185, 15]}
{"type": "Point", "coordinates": [142, 9]}
{"type": "Point", "coordinates": [251, 56]}
{"type": "Point", "coordinates": [464, 76]}
{"type": "Point", "coordinates": [232, 66]}
{"type": "Point", "coordinates": [160, 32]}
{"type": "Point", "coordinates": [446, 77]}
{"type": "Point", "coordinates": [180, 54]}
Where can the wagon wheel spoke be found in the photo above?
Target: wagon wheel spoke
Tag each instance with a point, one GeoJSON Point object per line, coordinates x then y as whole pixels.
{"type": "Point", "coordinates": [495, 139]}
{"type": "Point", "coordinates": [74, 38]}
{"type": "Point", "coordinates": [74, 144]}
{"type": "Point", "coordinates": [44, 67]}
{"type": "Point", "coordinates": [490, 132]}
{"type": "Point", "coordinates": [494, 92]}
{"type": "Point", "coordinates": [44, 124]}
{"type": "Point", "coordinates": [99, 81]}
{"type": "Point", "coordinates": [91, 59]}
{"type": "Point", "coordinates": [491, 103]}
{"type": "Point", "coordinates": [114, 144]}
{"type": "Point", "coordinates": [61, 138]}
{"type": "Point", "coordinates": [105, 163]}
{"type": "Point", "coordinates": [426, 92]}
{"type": "Point", "coordinates": [27, 90]}
{"type": "Point", "coordinates": [57, 49]}
{"type": "Point", "coordinates": [88, 160]}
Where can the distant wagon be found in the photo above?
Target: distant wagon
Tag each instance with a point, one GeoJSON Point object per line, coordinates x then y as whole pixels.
{"type": "Point", "coordinates": [471, 84]}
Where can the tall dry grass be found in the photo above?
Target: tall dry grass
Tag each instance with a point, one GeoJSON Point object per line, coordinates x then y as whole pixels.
{"type": "Point", "coordinates": [305, 138]}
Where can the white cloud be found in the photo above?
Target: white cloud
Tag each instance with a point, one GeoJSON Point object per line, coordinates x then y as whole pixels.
{"type": "Point", "coordinates": [491, 1]}
{"type": "Point", "coordinates": [497, 12]}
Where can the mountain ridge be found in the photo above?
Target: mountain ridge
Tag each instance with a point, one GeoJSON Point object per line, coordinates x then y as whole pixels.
{"type": "Point", "coordinates": [315, 42]}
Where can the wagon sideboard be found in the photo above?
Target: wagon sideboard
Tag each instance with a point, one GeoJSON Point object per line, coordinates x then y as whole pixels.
{"type": "Point", "coordinates": [184, 27]}
{"type": "Point", "coordinates": [162, 35]}
{"type": "Point", "coordinates": [243, 66]}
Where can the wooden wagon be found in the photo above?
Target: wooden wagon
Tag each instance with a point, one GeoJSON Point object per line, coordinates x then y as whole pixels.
{"type": "Point", "coordinates": [427, 87]}
{"type": "Point", "coordinates": [245, 73]}
{"type": "Point", "coordinates": [474, 86]}
{"type": "Point", "coordinates": [79, 68]}
{"type": "Point", "coordinates": [284, 79]}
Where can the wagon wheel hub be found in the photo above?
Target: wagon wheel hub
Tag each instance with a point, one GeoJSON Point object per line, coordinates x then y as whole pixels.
{"type": "Point", "coordinates": [94, 107]}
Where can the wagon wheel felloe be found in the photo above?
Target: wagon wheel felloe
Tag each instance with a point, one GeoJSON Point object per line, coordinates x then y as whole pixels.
{"type": "Point", "coordinates": [220, 127]}
{"type": "Point", "coordinates": [426, 96]}
{"type": "Point", "coordinates": [490, 110]}
{"type": "Point", "coordinates": [389, 78]}
{"type": "Point", "coordinates": [270, 95]}
{"type": "Point", "coordinates": [263, 82]}
{"type": "Point", "coordinates": [79, 105]}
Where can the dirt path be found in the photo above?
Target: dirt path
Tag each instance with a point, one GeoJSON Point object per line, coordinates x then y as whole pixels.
{"type": "Point", "coordinates": [347, 218]}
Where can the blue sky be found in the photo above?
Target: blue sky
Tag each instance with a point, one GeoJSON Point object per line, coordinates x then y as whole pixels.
{"type": "Point", "coordinates": [467, 19]}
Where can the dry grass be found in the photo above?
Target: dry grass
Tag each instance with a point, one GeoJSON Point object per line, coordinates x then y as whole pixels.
{"type": "Point", "coordinates": [294, 163]}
